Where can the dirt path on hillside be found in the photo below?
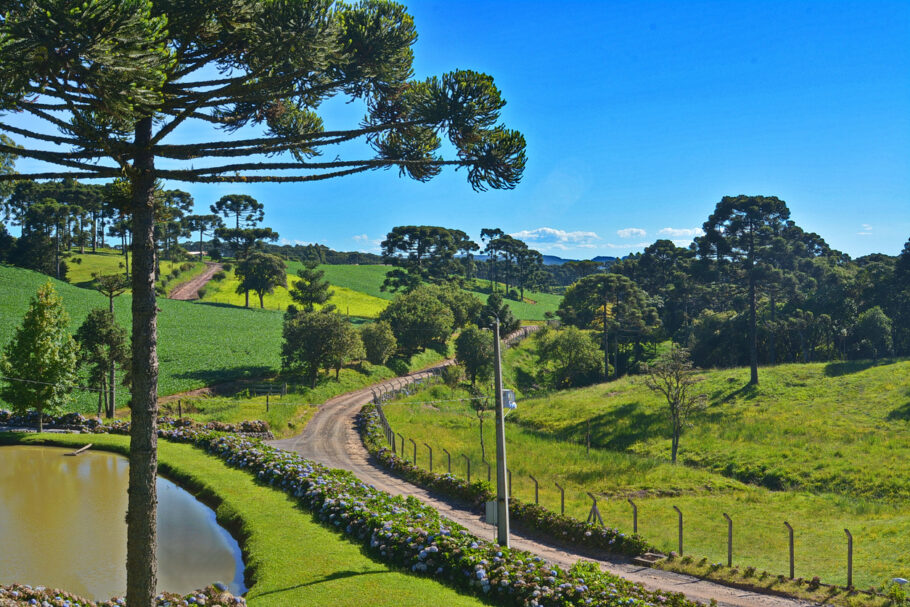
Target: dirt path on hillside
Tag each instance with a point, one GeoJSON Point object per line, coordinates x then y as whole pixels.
{"type": "Point", "coordinates": [190, 289]}
{"type": "Point", "coordinates": [331, 438]}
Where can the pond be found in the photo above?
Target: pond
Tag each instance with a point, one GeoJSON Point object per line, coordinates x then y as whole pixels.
{"type": "Point", "coordinates": [62, 525]}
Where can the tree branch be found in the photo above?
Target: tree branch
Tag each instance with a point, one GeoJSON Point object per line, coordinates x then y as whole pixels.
{"type": "Point", "coordinates": [182, 176]}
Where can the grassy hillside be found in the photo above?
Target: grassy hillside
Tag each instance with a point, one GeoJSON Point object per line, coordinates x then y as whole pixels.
{"type": "Point", "coordinates": [198, 344]}
{"type": "Point", "coordinates": [358, 293]}
{"type": "Point", "coordinates": [829, 442]}
{"type": "Point", "coordinates": [348, 301]}
{"type": "Point", "coordinates": [108, 261]}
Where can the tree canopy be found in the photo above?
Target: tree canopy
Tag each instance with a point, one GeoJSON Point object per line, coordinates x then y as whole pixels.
{"type": "Point", "coordinates": [113, 81]}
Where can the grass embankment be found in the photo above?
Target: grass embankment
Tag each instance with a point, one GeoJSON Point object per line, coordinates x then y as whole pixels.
{"type": "Point", "coordinates": [291, 559]}
{"type": "Point", "coordinates": [108, 261]}
{"type": "Point", "coordinates": [837, 437]}
{"type": "Point", "coordinates": [288, 415]}
{"type": "Point", "coordinates": [199, 345]}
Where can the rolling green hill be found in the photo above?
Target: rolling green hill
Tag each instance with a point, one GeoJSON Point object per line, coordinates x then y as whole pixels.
{"type": "Point", "coordinates": [822, 446]}
{"type": "Point", "coordinates": [198, 344]}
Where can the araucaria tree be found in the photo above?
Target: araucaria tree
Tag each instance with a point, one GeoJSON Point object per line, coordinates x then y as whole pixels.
{"type": "Point", "coordinates": [739, 238]}
{"type": "Point", "coordinates": [673, 376]}
{"type": "Point", "coordinates": [40, 361]}
{"type": "Point", "coordinates": [103, 347]}
{"type": "Point", "coordinates": [113, 81]}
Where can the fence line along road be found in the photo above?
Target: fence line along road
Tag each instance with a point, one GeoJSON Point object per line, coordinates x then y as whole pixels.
{"type": "Point", "coordinates": [331, 438]}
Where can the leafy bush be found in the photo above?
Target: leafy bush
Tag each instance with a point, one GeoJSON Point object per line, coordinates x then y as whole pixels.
{"type": "Point", "coordinates": [219, 275]}
{"type": "Point", "coordinates": [379, 342]}
{"type": "Point", "coordinates": [227, 267]}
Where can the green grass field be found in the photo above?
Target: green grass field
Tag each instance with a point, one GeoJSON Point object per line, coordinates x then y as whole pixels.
{"type": "Point", "coordinates": [199, 345]}
{"type": "Point", "coordinates": [290, 557]}
{"type": "Point", "coordinates": [108, 261]}
{"type": "Point", "coordinates": [829, 441]}
{"type": "Point", "coordinates": [346, 300]}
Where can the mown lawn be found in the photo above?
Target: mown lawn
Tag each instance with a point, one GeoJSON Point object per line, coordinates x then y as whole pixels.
{"type": "Point", "coordinates": [291, 558]}
{"type": "Point", "coordinates": [848, 463]}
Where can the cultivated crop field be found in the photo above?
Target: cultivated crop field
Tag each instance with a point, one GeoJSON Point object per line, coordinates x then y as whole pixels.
{"type": "Point", "coordinates": [822, 446]}
{"type": "Point", "coordinates": [199, 345]}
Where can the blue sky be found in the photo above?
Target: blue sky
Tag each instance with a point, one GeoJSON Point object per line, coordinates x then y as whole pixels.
{"type": "Point", "coordinates": [639, 117]}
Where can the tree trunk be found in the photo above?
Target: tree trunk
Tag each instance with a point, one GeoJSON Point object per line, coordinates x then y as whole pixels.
{"type": "Point", "coordinates": [606, 347]}
{"type": "Point", "coordinates": [40, 421]}
{"type": "Point", "coordinates": [57, 251]}
{"type": "Point", "coordinates": [773, 330]}
{"type": "Point", "coordinates": [261, 303]}
{"type": "Point", "coordinates": [201, 256]}
{"type": "Point", "coordinates": [483, 449]}
{"type": "Point", "coordinates": [101, 393]}
{"type": "Point", "coordinates": [94, 233]}
{"type": "Point", "coordinates": [753, 335]}
{"type": "Point", "coordinates": [675, 447]}
{"type": "Point", "coordinates": [247, 296]}
{"type": "Point", "coordinates": [141, 516]}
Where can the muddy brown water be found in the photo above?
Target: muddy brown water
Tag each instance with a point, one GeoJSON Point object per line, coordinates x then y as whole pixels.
{"type": "Point", "coordinates": [62, 525]}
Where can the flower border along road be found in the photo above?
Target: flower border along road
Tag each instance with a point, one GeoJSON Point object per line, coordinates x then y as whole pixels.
{"type": "Point", "coordinates": [406, 533]}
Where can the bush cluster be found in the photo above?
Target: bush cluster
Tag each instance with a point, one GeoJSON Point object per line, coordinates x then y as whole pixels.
{"type": "Point", "coordinates": [15, 595]}
{"type": "Point", "coordinates": [76, 422]}
{"type": "Point", "coordinates": [532, 516]}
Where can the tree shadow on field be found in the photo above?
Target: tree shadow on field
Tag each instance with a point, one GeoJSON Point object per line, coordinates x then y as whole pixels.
{"type": "Point", "coordinates": [902, 413]}
{"type": "Point", "coordinates": [848, 367]}
{"type": "Point", "coordinates": [618, 429]}
{"type": "Point", "coordinates": [335, 575]}
{"type": "Point", "coordinates": [225, 374]}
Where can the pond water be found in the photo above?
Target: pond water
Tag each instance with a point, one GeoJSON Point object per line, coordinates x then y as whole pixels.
{"type": "Point", "coordinates": [62, 525]}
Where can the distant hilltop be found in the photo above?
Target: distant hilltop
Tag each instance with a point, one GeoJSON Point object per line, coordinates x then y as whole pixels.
{"type": "Point", "coordinates": [553, 260]}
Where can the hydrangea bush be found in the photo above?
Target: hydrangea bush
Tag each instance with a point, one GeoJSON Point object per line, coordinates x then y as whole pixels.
{"type": "Point", "coordinates": [406, 533]}
{"type": "Point", "coordinates": [76, 422]}
{"type": "Point", "coordinates": [17, 595]}
{"type": "Point", "coordinates": [533, 516]}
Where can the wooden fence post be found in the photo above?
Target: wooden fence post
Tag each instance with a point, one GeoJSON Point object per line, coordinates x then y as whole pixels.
{"type": "Point", "coordinates": [678, 511]}
{"type": "Point", "coordinates": [450, 459]}
{"type": "Point", "coordinates": [729, 540]}
{"type": "Point", "coordinates": [849, 558]}
{"type": "Point", "coordinates": [468, 460]}
{"type": "Point", "coordinates": [179, 409]}
{"type": "Point", "coordinates": [634, 515]}
{"type": "Point", "coordinates": [400, 435]}
{"type": "Point", "coordinates": [430, 449]}
{"type": "Point", "coordinates": [536, 495]}
{"type": "Point", "coordinates": [562, 498]}
{"type": "Point", "coordinates": [790, 529]}
{"type": "Point", "coordinates": [267, 401]}
{"type": "Point", "coordinates": [415, 450]}
{"type": "Point", "coordinates": [489, 471]}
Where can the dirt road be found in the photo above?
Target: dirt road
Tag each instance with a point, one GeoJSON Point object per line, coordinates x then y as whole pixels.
{"type": "Point", "coordinates": [331, 438]}
{"type": "Point", "coordinates": [190, 289]}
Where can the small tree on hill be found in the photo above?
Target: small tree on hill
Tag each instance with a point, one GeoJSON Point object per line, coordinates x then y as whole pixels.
{"type": "Point", "coordinates": [673, 375]}
{"type": "Point", "coordinates": [103, 346]}
{"type": "Point", "coordinates": [419, 320]}
{"type": "Point", "coordinates": [111, 285]}
{"type": "Point", "coordinates": [311, 290]}
{"type": "Point", "coordinates": [311, 342]}
{"type": "Point", "coordinates": [497, 308]}
{"type": "Point", "coordinates": [379, 342]}
{"type": "Point", "coordinates": [260, 272]}
{"type": "Point", "coordinates": [474, 352]}
{"type": "Point", "coordinates": [871, 335]}
{"type": "Point", "coordinates": [572, 355]}
{"type": "Point", "coordinates": [44, 353]}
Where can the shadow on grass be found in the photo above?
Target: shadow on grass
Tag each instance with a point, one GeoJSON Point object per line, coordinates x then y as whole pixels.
{"type": "Point", "coordinates": [337, 575]}
{"type": "Point", "coordinates": [902, 413]}
{"type": "Point", "coordinates": [855, 366]}
{"type": "Point", "coordinates": [617, 429]}
{"type": "Point", "coordinates": [215, 376]}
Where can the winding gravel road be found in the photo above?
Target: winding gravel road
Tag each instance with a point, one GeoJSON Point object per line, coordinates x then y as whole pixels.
{"type": "Point", "coordinates": [331, 438]}
{"type": "Point", "coordinates": [190, 289]}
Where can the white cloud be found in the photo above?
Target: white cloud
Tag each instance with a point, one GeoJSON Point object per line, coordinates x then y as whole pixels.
{"type": "Point", "coordinates": [866, 231]}
{"type": "Point", "coordinates": [554, 236]}
{"type": "Point", "coordinates": [627, 245]}
{"type": "Point", "coordinates": [360, 237]}
{"type": "Point", "coordinates": [681, 232]}
{"type": "Point", "coordinates": [631, 233]}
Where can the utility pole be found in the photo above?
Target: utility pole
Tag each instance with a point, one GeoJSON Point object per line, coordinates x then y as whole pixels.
{"type": "Point", "coordinates": [502, 495]}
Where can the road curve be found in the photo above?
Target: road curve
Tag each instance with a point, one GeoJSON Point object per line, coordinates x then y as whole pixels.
{"type": "Point", "coordinates": [331, 438]}
{"type": "Point", "coordinates": [190, 289]}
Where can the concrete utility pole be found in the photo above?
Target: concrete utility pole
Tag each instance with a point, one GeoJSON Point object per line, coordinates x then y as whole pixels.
{"type": "Point", "coordinates": [502, 492]}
